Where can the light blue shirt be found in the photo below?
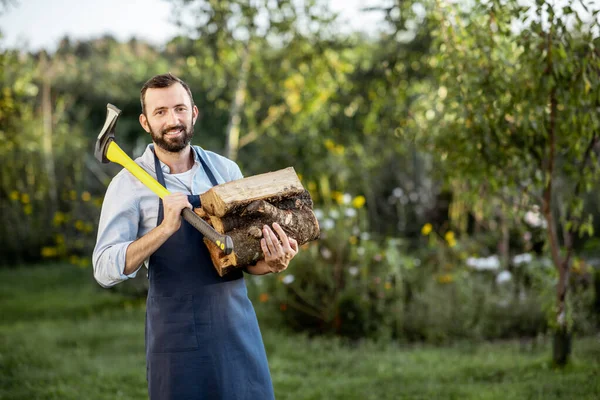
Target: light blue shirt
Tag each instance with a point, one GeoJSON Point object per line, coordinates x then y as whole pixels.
{"type": "Point", "coordinates": [130, 209]}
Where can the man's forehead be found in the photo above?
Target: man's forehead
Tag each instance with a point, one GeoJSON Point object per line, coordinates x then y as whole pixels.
{"type": "Point", "coordinates": [167, 97]}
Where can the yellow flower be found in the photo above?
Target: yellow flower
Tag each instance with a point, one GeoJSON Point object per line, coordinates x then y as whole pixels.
{"type": "Point", "coordinates": [73, 195]}
{"type": "Point", "coordinates": [49, 252]}
{"type": "Point", "coordinates": [338, 149]}
{"type": "Point", "coordinates": [14, 195]}
{"type": "Point", "coordinates": [329, 144]}
{"type": "Point", "coordinates": [449, 236]}
{"type": "Point", "coordinates": [79, 225]}
{"type": "Point", "coordinates": [426, 229]}
{"type": "Point", "coordinates": [28, 210]}
{"type": "Point", "coordinates": [86, 196]}
{"type": "Point", "coordinates": [388, 285]}
{"type": "Point", "coordinates": [74, 260]}
{"type": "Point", "coordinates": [358, 202]}
{"type": "Point", "coordinates": [445, 278]}
{"type": "Point", "coordinates": [60, 239]}
{"type": "Point", "coordinates": [25, 198]}
{"type": "Point", "coordinates": [338, 197]}
{"type": "Point", "coordinates": [353, 240]}
{"type": "Point", "coordinates": [59, 218]}
{"type": "Point", "coordinates": [264, 297]}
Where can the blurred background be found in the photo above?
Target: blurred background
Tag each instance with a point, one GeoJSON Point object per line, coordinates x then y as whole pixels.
{"type": "Point", "coordinates": [451, 150]}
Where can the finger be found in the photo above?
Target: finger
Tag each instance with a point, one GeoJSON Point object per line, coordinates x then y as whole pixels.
{"type": "Point", "coordinates": [293, 244]}
{"type": "Point", "coordinates": [268, 239]}
{"type": "Point", "coordinates": [176, 199]}
{"type": "Point", "coordinates": [265, 249]}
{"type": "Point", "coordinates": [284, 239]}
{"type": "Point", "coordinates": [275, 241]}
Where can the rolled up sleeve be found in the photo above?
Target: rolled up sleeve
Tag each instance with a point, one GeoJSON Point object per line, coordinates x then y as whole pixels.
{"type": "Point", "coordinates": [117, 229]}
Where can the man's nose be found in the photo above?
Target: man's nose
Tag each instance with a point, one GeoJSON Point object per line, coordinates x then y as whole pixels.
{"type": "Point", "coordinates": [172, 118]}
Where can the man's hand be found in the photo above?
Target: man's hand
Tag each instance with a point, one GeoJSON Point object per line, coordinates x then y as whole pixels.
{"type": "Point", "coordinates": [277, 255]}
{"type": "Point", "coordinates": [145, 246]}
{"type": "Point", "coordinates": [173, 205]}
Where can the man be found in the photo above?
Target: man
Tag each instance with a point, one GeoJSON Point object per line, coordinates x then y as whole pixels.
{"type": "Point", "coordinates": [202, 336]}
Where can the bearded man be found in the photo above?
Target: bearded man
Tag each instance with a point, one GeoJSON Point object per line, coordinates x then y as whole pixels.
{"type": "Point", "coordinates": [202, 336]}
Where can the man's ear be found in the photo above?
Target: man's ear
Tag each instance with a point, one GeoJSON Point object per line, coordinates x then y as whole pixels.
{"type": "Point", "coordinates": [195, 113]}
{"type": "Point", "coordinates": [144, 123]}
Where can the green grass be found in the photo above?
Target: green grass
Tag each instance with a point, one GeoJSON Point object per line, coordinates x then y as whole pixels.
{"type": "Point", "coordinates": [63, 337]}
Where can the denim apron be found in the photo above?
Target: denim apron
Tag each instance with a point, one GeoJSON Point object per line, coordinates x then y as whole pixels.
{"type": "Point", "coordinates": [202, 335]}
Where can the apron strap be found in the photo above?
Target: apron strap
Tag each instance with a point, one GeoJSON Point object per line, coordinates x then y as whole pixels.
{"type": "Point", "coordinates": [160, 177]}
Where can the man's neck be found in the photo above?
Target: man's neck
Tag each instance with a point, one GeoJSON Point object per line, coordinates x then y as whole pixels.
{"type": "Point", "coordinates": [177, 162]}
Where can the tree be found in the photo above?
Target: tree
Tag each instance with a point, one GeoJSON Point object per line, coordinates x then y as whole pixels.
{"type": "Point", "coordinates": [515, 116]}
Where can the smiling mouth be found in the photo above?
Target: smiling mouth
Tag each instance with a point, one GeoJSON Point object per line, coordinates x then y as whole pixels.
{"type": "Point", "coordinates": [174, 132]}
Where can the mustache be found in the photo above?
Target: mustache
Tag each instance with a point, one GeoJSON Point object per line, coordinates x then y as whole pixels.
{"type": "Point", "coordinates": [174, 127]}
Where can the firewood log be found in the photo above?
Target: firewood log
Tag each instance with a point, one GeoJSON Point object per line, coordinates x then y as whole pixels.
{"type": "Point", "coordinates": [241, 208]}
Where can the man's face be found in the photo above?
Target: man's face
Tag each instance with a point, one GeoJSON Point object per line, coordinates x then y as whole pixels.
{"type": "Point", "coordinates": [169, 117]}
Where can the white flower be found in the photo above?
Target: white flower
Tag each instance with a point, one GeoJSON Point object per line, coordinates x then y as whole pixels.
{"type": "Point", "coordinates": [503, 276]}
{"type": "Point", "coordinates": [328, 224]}
{"type": "Point", "coordinates": [346, 198]}
{"type": "Point", "coordinates": [350, 212]}
{"type": "Point", "coordinates": [326, 253]}
{"type": "Point", "coordinates": [398, 192]}
{"type": "Point", "coordinates": [522, 259]}
{"type": "Point", "coordinates": [334, 214]}
{"type": "Point", "coordinates": [356, 231]}
{"type": "Point", "coordinates": [365, 236]}
{"type": "Point", "coordinates": [490, 263]}
{"type": "Point", "coordinates": [353, 271]}
{"type": "Point", "coordinates": [414, 197]}
{"type": "Point", "coordinates": [318, 213]}
{"type": "Point", "coordinates": [360, 251]}
{"type": "Point", "coordinates": [288, 279]}
{"type": "Point", "coordinates": [535, 219]}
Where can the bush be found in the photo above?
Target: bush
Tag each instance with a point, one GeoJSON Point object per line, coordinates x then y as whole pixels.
{"type": "Point", "coordinates": [352, 285]}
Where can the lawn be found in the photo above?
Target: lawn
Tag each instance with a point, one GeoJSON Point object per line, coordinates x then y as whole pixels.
{"type": "Point", "coordinates": [63, 337]}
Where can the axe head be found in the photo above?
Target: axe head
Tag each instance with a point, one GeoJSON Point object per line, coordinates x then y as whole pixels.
{"type": "Point", "coordinates": [107, 134]}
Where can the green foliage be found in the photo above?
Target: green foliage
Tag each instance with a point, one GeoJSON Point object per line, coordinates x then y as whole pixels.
{"type": "Point", "coordinates": [353, 285]}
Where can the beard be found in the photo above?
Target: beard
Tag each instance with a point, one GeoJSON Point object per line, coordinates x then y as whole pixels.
{"type": "Point", "coordinates": [173, 144]}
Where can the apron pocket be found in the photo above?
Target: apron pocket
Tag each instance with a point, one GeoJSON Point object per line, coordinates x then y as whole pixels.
{"type": "Point", "coordinates": [171, 324]}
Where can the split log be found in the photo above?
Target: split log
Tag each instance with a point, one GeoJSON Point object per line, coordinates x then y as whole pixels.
{"type": "Point", "coordinates": [235, 195]}
{"type": "Point", "coordinates": [257, 201]}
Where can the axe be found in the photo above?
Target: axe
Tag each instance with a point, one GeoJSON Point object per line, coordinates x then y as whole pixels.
{"type": "Point", "coordinates": [107, 150]}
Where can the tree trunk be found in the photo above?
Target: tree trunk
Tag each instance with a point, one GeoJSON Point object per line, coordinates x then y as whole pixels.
{"type": "Point", "coordinates": [562, 334]}
{"type": "Point", "coordinates": [235, 111]}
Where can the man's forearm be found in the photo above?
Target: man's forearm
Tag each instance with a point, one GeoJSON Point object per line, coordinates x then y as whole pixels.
{"type": "Point", "coordinates": [143, 248]}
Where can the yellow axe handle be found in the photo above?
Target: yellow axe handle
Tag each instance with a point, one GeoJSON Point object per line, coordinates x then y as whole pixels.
{"type": "Point", "coordinates": [117, 155]}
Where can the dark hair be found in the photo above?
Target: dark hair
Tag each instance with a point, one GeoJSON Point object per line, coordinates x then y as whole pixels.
{"type": "Point", "coordinates": [159, 82]}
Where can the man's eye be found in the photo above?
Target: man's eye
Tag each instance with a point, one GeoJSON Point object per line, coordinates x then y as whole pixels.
{"type": "Point", "coordinates": [160, 112]}
{"type": "Point", "coordinates": [181, 109]}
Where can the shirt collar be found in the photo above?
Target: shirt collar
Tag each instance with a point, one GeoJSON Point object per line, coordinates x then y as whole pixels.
{"type": "Point", "coordinates": [148, 159]}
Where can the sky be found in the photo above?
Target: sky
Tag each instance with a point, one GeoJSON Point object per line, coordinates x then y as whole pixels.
{"type": "Point", "coordinates": [37, 24]}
